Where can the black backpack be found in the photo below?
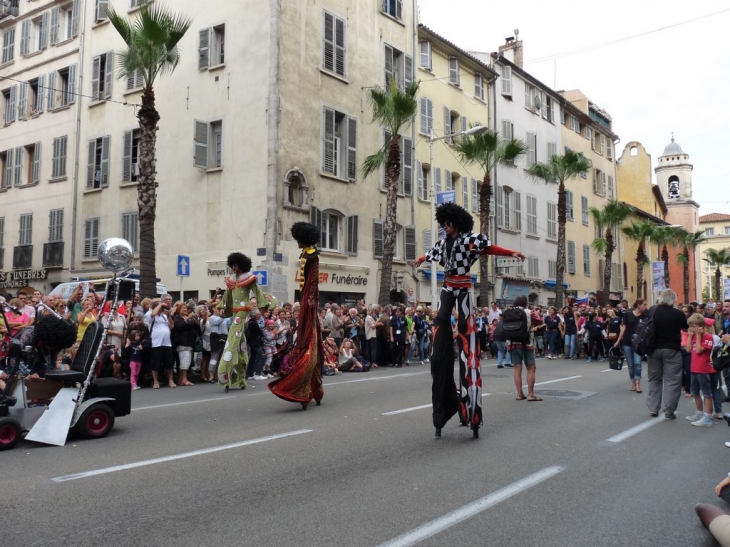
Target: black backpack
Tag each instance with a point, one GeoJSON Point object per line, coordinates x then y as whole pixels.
{"type": "Point", "coordinates": [513, 326]}
{"type": "Point", "coordinates": [721, 357]}
{"type": "Point", "coordinates": [643, 339]}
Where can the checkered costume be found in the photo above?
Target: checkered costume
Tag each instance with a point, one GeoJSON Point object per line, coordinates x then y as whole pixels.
{"type": "Point", "coordinates": [457, 259]}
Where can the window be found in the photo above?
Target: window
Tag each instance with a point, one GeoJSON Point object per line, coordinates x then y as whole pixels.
{"type": "Point", "coordinates": [449, 181]}
{"type": "Point", "coordinates": [531, 215]}
{"type": "Point", "coordinates": [508, 129]}
{"type": "Point", "coordinates": [7, 168]}
{"type": "Point", "coordinates": [394, 8]}
{"type": "Point", "coordinates": [533, 98]}
{"type": "Point", "coordinates": [334, 54]}
{"type": "Point", "coordinates": [330, 231]}
{"type": "Point", "coordinates": [25, 236]}
{"type": "Point", "coordinates": [507, 80]}
{"type": "Point", "coordinates": [426, 116]}
{"type": "Point", "coordinates": [296, 189]}
{"type": "Point", "coordinates": [34, 35]}
{"type": "Point", "coordinates": [509, 209]}
{"type": "Point", "coordinates": [609, 149]}
{"type": "Point", "coordinates": [208, 147]}
{"type": "Point", "coordinates": [727, 230]}
{"type": "Point", "coordinates": [552, 224]}
{"type": "Point", "coordinates": [426, 236]}
{"type": "Point", "coordinates": [340, 144]}
{"type": "Point", "coordinates": [531, 156]}
{"type": "Point", "coordinates": [55, 226]}
{"type": "Point", "coordinates": [571, 257]}
{"type": "Point", "coordinates": [584, 210]}
{"type": "Point", "coordinates": [575, 124]}
{"type": "Point", "coordinates": [51, 91]}
{"type": "Point", "coordinates": [332, 223]}
{"type": "Point", "coordinates": [425, 55]}
{"type": "Point", "coordinates": [64, 22]}
{"type": "Point", "coordinates": [398, 67]}
{"type": "Point", "coordinates": [437, 179]}
{"type": "Point", "coordinates": [10, 96]}
{"type": "Point", "coordinates": [130, 229]}
{"type": "Point", "coordinates": [37, 95]}
{"type": "Point", "coordinates": [22, 101]}
{"type": "Point", "coordinates": [533, 267]}
{"type": "Point", "coordinates": [135, 80]}
{"type": "Point", "coordinates": [603, 144]}
{"type": "Point", "coordinates": [552, 269]}
{"type": "Point", "coordinates": [598, 182]}
{"type": "Point", "coordinates": [569, 205]}
{"type": "Point", "coordinates": [454, 77]}
{"type": "Point", "coordinates": [8, 45]}
{"type": "Point", "coordinates": [33, 152]}
{"type": "Point", "coordinates": [562, 116]}
{"type": "Point", "coordinates": [588, 133]}
{"type": "Point", "coordinates": [97, 163]}
{"type": "Point", "coordinates": [91, 238]}
{"type": "Point", "coordinates": [610, 187]}
{"type": "Point", "coordinates": [475, 196]}
{"type": "Point", "coordinates": [587, 260]}
{"type": "Point", "coordinates": [552, 150]}
{"type": "Point", "coordinates": [548, 108]}
{"type": "Point", "coordinates": [67, 85]}
{"type": "Point", "coordinates": [130, 156]}
{"type": "Point", "coordinates": [423, 181]}
{"type": "Point", "coordinates": [478, 86]}
{"type": "Point", "coordinates": [100, 13]}
{"type": "Point", "coordinates": [709, 231]}
{"type": "Point", "coordinates": [18, 167]}
{"type": "Point", "coordinates": [58, 163]}
{"type": "Point", "coordinates": [102, 72]}
{"type": "Point", "coordinates": [465, 192]}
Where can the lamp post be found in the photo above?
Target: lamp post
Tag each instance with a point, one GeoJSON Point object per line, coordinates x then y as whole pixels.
{"type": "Point", "coordinates": [432, 138]}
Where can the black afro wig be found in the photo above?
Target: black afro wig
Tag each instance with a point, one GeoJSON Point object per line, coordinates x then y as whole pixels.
{"type": "Point", "coordinates": [243, 262]}
{"type": "Point", "coordinates": [55, 333]}
{"type": "Point", "coordinates": [305, 233]}
{"type": "Point", "coordinates": [456, 215]}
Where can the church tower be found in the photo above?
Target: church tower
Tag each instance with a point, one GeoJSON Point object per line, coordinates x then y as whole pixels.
{"type": "Point", "coordinates": [674, 179]}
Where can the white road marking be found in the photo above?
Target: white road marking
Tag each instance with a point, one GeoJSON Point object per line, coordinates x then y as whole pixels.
{"type": "Point", "coordinates": [440, 524]}
{"type": "Point", "coordinates": [553, 381]}
{"type": "Point", "coordinates": [174, 457]}
{"type": "Point", "coordinates": [634, 430]}
{"type": "Point", "coordinates": [607, 370]}
{"type": "Point", "coordinates": [221, 398]}
{"type": "Point", "coordinates": [411, 409]}
{"type": "Point", "coordinates": [378, 378]}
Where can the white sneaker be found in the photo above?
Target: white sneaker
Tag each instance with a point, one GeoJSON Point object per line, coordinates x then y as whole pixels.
{"type": "Point", "coordinates": [727, 444]}
{"type": "Point", "coordinates": [696, 416]}
{"type": "Point", "coordinates": [261, 377]}
{"type": "Point", "coordinates": [705, 421]}
{"type": "Point", "coordinates": [269, 375]}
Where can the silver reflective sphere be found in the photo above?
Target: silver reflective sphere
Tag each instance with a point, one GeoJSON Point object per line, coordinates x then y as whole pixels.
{"type": "Point", "coordinates": [115, 254]}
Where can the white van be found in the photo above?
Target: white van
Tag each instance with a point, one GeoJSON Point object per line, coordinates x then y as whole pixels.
{"type": "Point", "coordinates": [64, 290]}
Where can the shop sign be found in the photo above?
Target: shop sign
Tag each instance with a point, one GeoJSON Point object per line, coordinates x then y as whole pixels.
{"type": "Point", "coordinates": [20, 278]}
{"type": "Point", "coordinates": [337, 279]}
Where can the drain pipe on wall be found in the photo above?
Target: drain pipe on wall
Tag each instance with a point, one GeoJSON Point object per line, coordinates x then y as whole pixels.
{"type": "Point", "coordinates": [495, 187]}
{"type": "Point", "coordinates": [273, 117]}
{"type": "Point", "coordinates": [80, 98]}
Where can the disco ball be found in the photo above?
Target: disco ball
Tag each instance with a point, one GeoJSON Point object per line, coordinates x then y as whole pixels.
{"type": "Point", "coordinates": [115, 254]}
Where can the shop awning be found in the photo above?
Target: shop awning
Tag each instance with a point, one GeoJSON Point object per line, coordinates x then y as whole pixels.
{"type": "Point", "coordinates": [551, 284]}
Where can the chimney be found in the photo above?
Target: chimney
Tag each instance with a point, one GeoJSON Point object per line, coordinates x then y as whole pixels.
{"type": "Point", "coordinates": [512, 49]}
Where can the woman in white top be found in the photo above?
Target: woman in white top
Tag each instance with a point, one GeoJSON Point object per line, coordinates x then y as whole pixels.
{"type": "Point", "coordinates": [347, 360]}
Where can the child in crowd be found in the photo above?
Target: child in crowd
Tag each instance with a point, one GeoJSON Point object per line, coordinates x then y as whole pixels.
{"type": "Point", "coordinates": [134, 353]}
{"type": "Point", "coordinates": [270, 343]}
{"type": "Point", "coordinates": [699, 344]}
{"type": "Point", "coordinates": [330, 357]}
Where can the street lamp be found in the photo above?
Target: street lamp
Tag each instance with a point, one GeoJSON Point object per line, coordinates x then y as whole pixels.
{"type": "Point", "coordinates": [476, 130]}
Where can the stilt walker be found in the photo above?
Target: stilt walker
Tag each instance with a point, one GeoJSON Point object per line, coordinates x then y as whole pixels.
{"type": "Point", "coordinates": [457, 251]}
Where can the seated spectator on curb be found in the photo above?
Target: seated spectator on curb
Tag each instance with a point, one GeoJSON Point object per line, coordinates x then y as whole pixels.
{"type": "Point", "coordinates": [347, 360]}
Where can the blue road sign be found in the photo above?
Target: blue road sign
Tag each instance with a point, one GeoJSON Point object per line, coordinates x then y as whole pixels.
{"type": "Point", "coordinates": [445, 197]}
{"type": "Point", "coordinates": [262, 277]}
{"type": "Point", "coordinates": [183, 266]}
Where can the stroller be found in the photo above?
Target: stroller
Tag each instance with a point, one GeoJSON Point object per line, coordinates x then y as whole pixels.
{"type": "Point", "coordinates": [615, 358]}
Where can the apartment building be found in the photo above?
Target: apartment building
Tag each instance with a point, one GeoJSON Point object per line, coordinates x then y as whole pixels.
{"type": "Point", "coordinates": [38, 145]}
{"type": "Point", "coordinates": [453, 96]}
{"type": "Point", "coordinates": [717, 236]}
{"type": "Point", "coordinates": [586, 128]}
{"type": "Point", "coordinates": [265, 122]}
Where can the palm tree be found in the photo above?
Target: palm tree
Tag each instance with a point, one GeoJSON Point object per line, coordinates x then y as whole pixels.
{"type": "Point", "coordinates": [152, 50]}
{"type": "Point", "coordinates": [718, 258]}
{"type": "Point", "coordinates": [640, 231]}
{"type": "Point", "coordinates": [487, 150]}
{"type": "Point", "coordinates": [393, 109]}
{"type": "Point", "coordinates": [688, 240]}
{"type": "Point", "coordinates": [607, 218]}
{"type": "Point", "coordinates": [667, 235]}
{"type": "Point", "coordinates": [558, 170]}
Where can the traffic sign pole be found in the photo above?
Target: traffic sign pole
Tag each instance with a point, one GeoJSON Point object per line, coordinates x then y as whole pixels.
{"type": "Point", "coordinates": [182, 294]}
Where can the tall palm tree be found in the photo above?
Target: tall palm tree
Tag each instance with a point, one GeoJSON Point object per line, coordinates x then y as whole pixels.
{"type": "Point", "coordinates": [667, 236]}
{"type": "Point", "coordinates": [688, 240]}
{"type": "Point", "coordinates": [640, 231]}
{"type": "Point", "coordinates": [558, 170]}
{"type": "Point", "coordinates": [719, 258]}
{"type": "Point", "coordinates": [487, 150]}
{"type": "Point", "coordinates": [152, 49]}
{"type": "Point", "coordinates": [394, 110]}
{"type": "Point", "coordinates": [608, 218]}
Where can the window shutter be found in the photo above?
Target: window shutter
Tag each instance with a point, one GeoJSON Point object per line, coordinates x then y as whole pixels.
{"type": "Point", "coordinates": [95, 72]}
{"type": "Point", "coordinates": [603, 183]}
{"type": "Point", "coordinates": [447, 124]}
{"type": "Point", "coordinates": [127, 157]}
{"type": "Point", "coordinates": [377, 239]}
{"type": "Point", "coordinates": [408, 70]}
{"type": "Point", "coordinates": [507, 80]}
{"type": "Point", "coordinates": [474, 196]}
{"type": "Point", "coordinates": [425, 129]}
{"type": "Point", "coordinates": [410, 234]}
{"type": "Point", "coordinates": [500, 207]}
{"type": "Point", "coordinates": [384, 170]}
{"type": "Point", "coordinates": [328, 40]}
{"type": "Point", "coordinates": [352, 149]}
{"type": "Point", "coordinates": [40, 94]}
{"type": "Point", "coordinates": [465, 192]}
{"type": "Point", "coordinates": [517, 224]}
{"type": "Point", "coordinates": [204, 49]}
{"type": "Point", "coordinates": [419, 177]}
{"type": "Point", "coordinates": [437, 178]}
{"type": "Point", "coordinates": [569, 204]}
{"type": "Point", "coordinates": [478, 85]}
{"type": "Point", "coordinates": [507, 130]}
{"type": "Point", "coordinates": [75, 19]}
{"type": "Point", "coordinates": [71, 85]}
{"type": "Point", "coordinates": [352, 223]}
{"type": "Point", "coordinates": [36, 173]}
{"type": "Point", "coordinates": [610, 186]}
{"type": "Point", "coordinates": [101, 7]}
{"type": "Point", "coordinates": [328, 163]}
{"type": "Point", "coordinates": [315, 217]}
{"type": "Point", "coordinates": [399, 9]}
{"type": "Point", "coordinates": [18, 178]}
{"type": "Point", "coordinates": [9, 168]}
{"type": "Point", "coordinates": [55, 158]}
{"type": "Point", "coordinates": [62, 160]}
{"type": "Point", "coordinates": [464, 125]}
{"type": "Point", "coordinates": [340, 50]}
{"type": "Point", "coordinates": [12, 103]}
{"type": "Point", "coordinates": [425, 57]}
{"type": "Point", "coordinates": [105, 143]}
{"type": "Point", "coordinates": [109, 76]}
{"type": "Point", "coordinates": [91, 164]}
{"type": "Point", "coordinates": [448, 180]}
{"type": "Point", "coordinates": [54, 25]}
{"type": "Point", "coordinates": [200, 155]}
{"type": "Point", "coordinates": [389, 66]}
{"type": "Point", "coordinates": [43, 38]}
{"type": "Point", "coordinates": [25, 38]}
{"type": "Point", "coordinates": [454, 70]}
{"type": "Point", "coordinates": [407, 174]}
{"type": "Point", "coordinates": [22, 101]}
{"type": "Point", "coordinates": [571, 257]}
{"type": "Point", "coordinates": [427, 243]}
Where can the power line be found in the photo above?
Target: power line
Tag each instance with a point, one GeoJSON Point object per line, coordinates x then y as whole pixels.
{"type": "Point", "coordinates": [619, 40]}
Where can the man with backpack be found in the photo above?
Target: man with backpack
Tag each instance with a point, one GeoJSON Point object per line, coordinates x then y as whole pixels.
{"type": "Point", "coordinates": [517, 324]}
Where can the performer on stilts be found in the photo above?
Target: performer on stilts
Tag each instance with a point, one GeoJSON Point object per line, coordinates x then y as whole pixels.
{"type": "Point", "coordinates": [241, 288]}
{"type": "Point", "coordinates": [305, 357]}
{"type": "Point", "coordinates": [457, 251]}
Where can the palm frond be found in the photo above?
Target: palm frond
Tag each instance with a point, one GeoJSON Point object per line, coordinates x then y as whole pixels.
{"type": "Point", "coordinates": [544, 172]}
{"type": "Point", "coordinates": [374, 162]}
{"type": "Point", "coordinates": [600, 245]}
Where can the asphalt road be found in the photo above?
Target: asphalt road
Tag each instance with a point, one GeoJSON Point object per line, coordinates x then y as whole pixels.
{"type": "Point", "coordinates": [197, 467]}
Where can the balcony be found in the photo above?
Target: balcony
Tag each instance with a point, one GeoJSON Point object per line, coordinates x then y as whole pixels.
{"type": "Point", "coordinates": [8, 8]}
{"type": "Point", "coordinates": [53, 254]}
{"type": "Point", "coordinates": [22, 257]}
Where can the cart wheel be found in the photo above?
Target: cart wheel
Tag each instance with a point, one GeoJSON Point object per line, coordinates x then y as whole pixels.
{"type": "Point", "coordinates": [96, 421]}
{"type": "Point", "coordinates": [10, 433]}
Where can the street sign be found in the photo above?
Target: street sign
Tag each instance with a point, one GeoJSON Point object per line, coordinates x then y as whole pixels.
{"type": "Point", "coordinates": [183, 266]}
{"type": "Point", "coordinates": [508, 262]}
{"type": "Point", "coordinates": [262, 277]}
{"type": "Point", "coordinates": [261, 251]}
{"type": "Point", "coordinates": [445, 197]}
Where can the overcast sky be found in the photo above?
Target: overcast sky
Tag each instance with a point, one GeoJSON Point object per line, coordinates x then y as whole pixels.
{"type": "Point", "coordinates": [674, 80]}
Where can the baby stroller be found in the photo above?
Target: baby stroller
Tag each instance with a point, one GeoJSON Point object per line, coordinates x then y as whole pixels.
{"type": "Point", "coordinates": [615, 358]}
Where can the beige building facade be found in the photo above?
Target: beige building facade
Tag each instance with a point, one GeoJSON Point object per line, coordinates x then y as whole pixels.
{"type": "Point", "coordinates": [717, 236]}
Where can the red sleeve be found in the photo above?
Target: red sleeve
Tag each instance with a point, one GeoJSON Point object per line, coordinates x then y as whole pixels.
{"type": "Point", "coordinates": [497, 251]}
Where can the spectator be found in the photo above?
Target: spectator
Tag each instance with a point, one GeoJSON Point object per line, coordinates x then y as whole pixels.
{"type": "Point", "coordinates": [398, 334]}
{"type": "Point", "coordinates": [371, 342]}
{"type": "Point", "coordinates": [699, 344]}
{"type": "Point", "coordinates": [85, 317]}
{"type": "Point", "coordinates": [552, 329]}
{"type": "Point", "coordinates": [219, 326]}
{"type": "Point", "coordinates": [337, 330]}
{"type": "Point", "coordinates": [160, 323]}
{"type": "Point", "coordinates": [186, 329]}
{"type": "Point", "coordinates": [255, 338]}
{"type": "Point", "coordinates": [630, 322]}
{"type": "Point", "coordinates": [570, 331]}
{"type": "Point", "coordinates": [596, 332]}
{"type": "Point", "coordinates": [523, 352]}
{"type": "Point", "coordinates": [347, 360]}
{"type": "Point", "coordinates": [135, 352]}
